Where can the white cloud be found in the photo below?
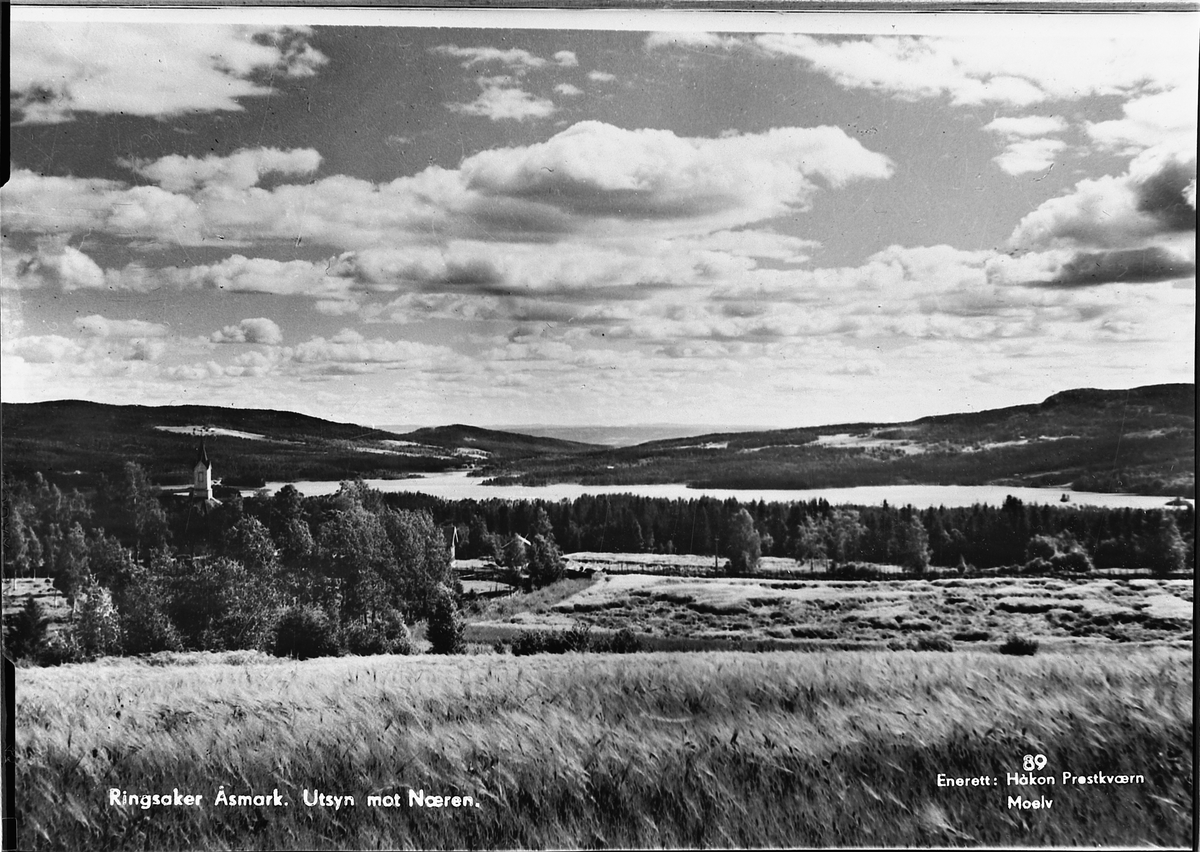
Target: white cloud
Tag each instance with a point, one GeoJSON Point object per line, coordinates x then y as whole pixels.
{"type": "Point", "coordinates": [649, 183]}
{"type": "Point", "coordinates": [255, 330]}
{"type": "Point", "coordinates": [53, 262]}
{"type": "Point", "coordinates": [1028, 125]}
{"type": "Point", "coordinates": [1136, 228]}
{"type": "Point", "coordinates": [691, 40]}
{"type": "Point", "coordinates": [568, 90]}
{"type": "Point", "coordinates": [1018, 70]}
{"type": "Point", "coordinates": [512, 58]}
{"type": "Point", "coordinates": [99, 326]}
{"type": "Point", "coordinates": [240, 170]}
{"type": "Point", "coordinates": [1150, 120]}
{"type": "Point", "coordinates": [501, 102]}
{"type": "Point", "coordinates": [349, 352]}
{"type": "Point", "coordinates": [598, 171]}
{"type": "Point", "coordinates": [566, 58]}
{"type": "Point", "coordinates": [1117, 212]}
{"type": "Point", "coordinates": [59, 70]}
{"type": "Point", "coordinates": [601, 76]}
{"type": "Point", "coordinates": [1029, 155]}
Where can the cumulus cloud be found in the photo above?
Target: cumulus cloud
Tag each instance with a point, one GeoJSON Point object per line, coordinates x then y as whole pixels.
{"type": "Point", "coordinates": [597, 170]}
{"type": "Point", "coordinates": [691, 40]}
{"type": "Point", "coordinates": [566, 58]}
{"type": "Point", "coordinates": [99, 326]}
{"type": "Point", "coordinates": [1117, 212]}
{"type": "Point", "coordinates": [240, 170]}
{"type": "Point", "coordinates": [591, 175]}
{"type": "Point", "coordinates": [43, 348]}
{"type": "Point", "coordinates": [240, 274]}
{"type": "Point", "coordinates": [568, 90]}
{"type": "Point", "coordinates": [94, 356]}
{"type": "Point", "coordinates": [1126, 265]}
{"type": "Point", "coordinates": [1029, 155]}
{"type": "Point", "coordinates": [1018, 70]}
{"type": "Point", "coordinates": [62, 69]}
{"type": "Point", "coordinates": [53, 262]}
{"type": "Point", "coordinates": [1028, 125]}
{"type": "Point", "coordinates": [601, 76]}
{"type": "Point", "coordinates": [1137, 227]}
{"type": "Point", "coordinates": [1150, 120]}
{"type": "Point", "coordinates": [513, 58]}
{"type": "Point", "coordinates": [501, 101]}
{"type": "Point", "coordinates": [349, 352]}
{"type": "Point", "coordinates": [255, 330]}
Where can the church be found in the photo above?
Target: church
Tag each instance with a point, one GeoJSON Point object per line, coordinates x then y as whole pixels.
{"type": "Point", "coordinates": [202, 482]}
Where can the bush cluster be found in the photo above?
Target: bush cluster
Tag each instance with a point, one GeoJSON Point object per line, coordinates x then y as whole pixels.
{"type": "Point", "coordinates": [579, 639]}
{"type": "Point", "coordinates": [1019, 646]}
{"type": "Point", "coordinates": [304, 632]}
{"type": "Point", "coordinates": [387, 635]}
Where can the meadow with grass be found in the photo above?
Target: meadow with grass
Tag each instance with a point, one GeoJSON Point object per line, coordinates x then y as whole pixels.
{"type": "Point", "coordinates": [765, 613]}
{"type": "Point", "coordinates": [649, 750]}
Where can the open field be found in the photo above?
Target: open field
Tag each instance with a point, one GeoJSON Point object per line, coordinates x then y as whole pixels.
{"type": "Point", "coordinates": [867, 613]}
{"type": "Point", "coordinates": [714, 749]}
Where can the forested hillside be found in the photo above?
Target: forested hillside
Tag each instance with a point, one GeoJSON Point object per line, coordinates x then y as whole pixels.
{"type": "Point", "coordinates": [74, 443]}
{"type": "Point", "coordinates": [1141, 440]}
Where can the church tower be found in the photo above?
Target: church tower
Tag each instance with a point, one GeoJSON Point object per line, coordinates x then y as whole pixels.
{"type": "Point", "coordinates": [202, 475]}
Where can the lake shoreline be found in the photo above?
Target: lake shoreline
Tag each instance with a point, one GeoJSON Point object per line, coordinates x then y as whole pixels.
{"type": "Point", "coordinates": [461, 485]}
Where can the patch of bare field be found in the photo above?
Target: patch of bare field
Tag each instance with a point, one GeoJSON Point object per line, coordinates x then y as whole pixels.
{"type": "Point", "coordinates": [971, 610]}
{"type": "Point", "coordinates": [682, 563]}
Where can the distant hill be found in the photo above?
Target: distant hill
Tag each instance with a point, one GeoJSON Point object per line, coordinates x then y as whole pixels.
{"type": "Point", "coordinates": [73, 442]}
{"type": "Point", "coordinates": [495, 442]}
{"type": "Point", "coordinates": [1140, 440]}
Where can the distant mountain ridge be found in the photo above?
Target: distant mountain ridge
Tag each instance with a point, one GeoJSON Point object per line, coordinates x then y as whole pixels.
{"type": "Point", "coordinates": [250, 446]}
{"type": "Point", "coordinates": [1140, 439]}
{"type": "Point", "coordinates": [1136, 440]}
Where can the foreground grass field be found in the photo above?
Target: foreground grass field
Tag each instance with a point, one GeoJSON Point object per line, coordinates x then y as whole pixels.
{"type": "Point", "coordinates": [692, 750]}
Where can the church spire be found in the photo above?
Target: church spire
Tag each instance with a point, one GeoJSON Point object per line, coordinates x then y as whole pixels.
{"type": "Point", "coordinates": [202, 455]}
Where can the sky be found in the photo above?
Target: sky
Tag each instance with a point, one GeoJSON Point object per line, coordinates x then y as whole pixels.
{"type": "Point", "coordinates": [596, 219]}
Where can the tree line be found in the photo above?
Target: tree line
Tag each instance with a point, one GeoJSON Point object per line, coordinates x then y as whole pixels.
{"type": "Point", "coordinates": [980, 536]}
{"type": "Point", "coordinates": [356, 570]}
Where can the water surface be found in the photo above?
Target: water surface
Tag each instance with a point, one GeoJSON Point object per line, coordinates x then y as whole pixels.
{"type": "Point", "coordinates": [461, 485]}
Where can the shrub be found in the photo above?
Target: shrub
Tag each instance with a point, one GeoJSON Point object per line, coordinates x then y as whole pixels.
{"type": "Point", "coordinates": [61, 648]}
{"type": "Point", "coordinates": [1038, 565]}
{"type": "Point", "coordinates": [1074, 560]}
{"type": "Point", "coordinates": [387, 635]}
{"type": "Point", "coordinates": [99, 627]}
{"type": "Point", "coordinates": [624, 641]}
{"type": "Point", "coordinates": [28, 632]}
{"type": "Point", "coordinates": [304, 632]}
{"type": "Point", "coordinates": [146, 626]}
{"type": "Point", "coordinates": [1019, 646]}
{"type": "Point", "coordinates": [578, 639]}
{"type": "Point", "coordinates": [934, 642]}
{"type": "Point", "coordinates": [972, 636]}
{"type": "Point", "coordinates": [546, 564]}
{"type": "Point", "coordinates": [528, 642]}
{"type": "Point", "coordinates": [445, 626]}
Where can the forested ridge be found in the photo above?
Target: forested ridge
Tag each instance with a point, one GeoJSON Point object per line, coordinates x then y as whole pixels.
{"type": "Point", "coordinates": [1138, 441]}
{"type": "Point", "coordinates": [1141, 440]}
{"type": "Point", "coordinates": [74, 443]}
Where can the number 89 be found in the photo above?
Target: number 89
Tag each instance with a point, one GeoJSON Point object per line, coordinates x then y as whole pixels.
{"type": "Point", "coordinates": [1034, 761]}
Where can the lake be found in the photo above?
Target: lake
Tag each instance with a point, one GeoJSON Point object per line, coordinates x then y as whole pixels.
{"type": "Point", "coordinates": [460, 485]}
